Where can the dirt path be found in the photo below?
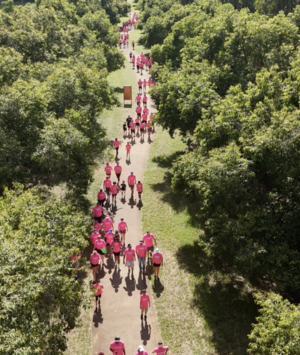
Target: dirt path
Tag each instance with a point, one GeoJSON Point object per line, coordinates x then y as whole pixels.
{"type": "Point", "coordinates": [120, 312]}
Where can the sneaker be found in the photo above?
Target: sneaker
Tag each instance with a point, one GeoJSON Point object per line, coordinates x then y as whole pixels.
{"type": "Point", "coordinates": [119, 269]}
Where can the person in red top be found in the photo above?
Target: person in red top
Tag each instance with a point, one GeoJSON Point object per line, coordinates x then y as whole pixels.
{"type": "Point", "coordinates": [107, 185]}
{"type": "Point", "coordinates": [101, 197]}
{"type": "Point", "coordinates": [108, 169]}
{"type": "Point", "coordinates": [94, 235]}
{"type": "Point", "coordinates": [114, 190]}
{"type": "Point", "coordinates": [141, 250]}
{"type": "Point", "coordinates": [116, 144]}
{"type": "Point", "coordinates": [138, 99]}
{"type": "Point", "coordinates": [129, 257]}
{"type": "Point", "coordinates": [157, 262]}
{"type": "Point", "coordinates": [118, 170]}
{"type": "Point", "coordinates": [161, 349]}
{"type": "Point", "coordinates": [132, 129]}
{"type": "Point", "coordinates": [109, 237]}
{"type": "Point", "coordinates": [139, 189]}
{"type": "Point", "coordinates": [94, 259]}
{"type": "Point", "coordinates": [144, 304]}
{"type": "Point", "coordinates": [148, 239]}
{"type": "Point", "coordinates": [140, 85]}
{"type": "Point", "coordinates": [122, 226]}
{"type": "Point", "coordinates": [99, 246]}
{"type": "Point", "coordinates": [97, 226]}
{"type": "Point", "coordinates": [145, 100]}
{"type": "Point", "coordinates": [117, 347]}
{"type": "Point", "coordinates": [98, 292]}
{"type": "Point", "coordinates": [138, 111]}
{"type": "Point", "coordinates": [131, 182]}
{"type": "Point", "coordinates": [107, 224]}
{"type": "Point", "coordinates": [144, 117]}
{"type": "Point", "coordinates": [128, 147]}
{"type": "Point", "coordinates": [97, 212]}
{"type": "Point", "coordinates": [142, 129]}
{"type": "Point", "coordinates": [116, 247]}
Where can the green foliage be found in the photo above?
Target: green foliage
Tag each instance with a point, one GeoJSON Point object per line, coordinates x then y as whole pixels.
{"type": "Point", "coordinates": [277, 327]}
{"type": "Point", "coordinates": [39, 298]}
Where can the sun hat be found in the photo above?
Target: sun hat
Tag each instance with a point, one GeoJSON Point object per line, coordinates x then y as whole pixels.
{"type": "Point", "coordinates": [140, 348]}
{"type": "Point", "coordinates": [156, 250]}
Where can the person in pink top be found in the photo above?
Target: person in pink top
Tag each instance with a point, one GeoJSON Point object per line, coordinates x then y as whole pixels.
{"type": "Point", "coordinates": [116, 247]}
{"type": "Point", "coordinates": [94, 259]}
{"type": "Point", "coordinates": [148, 239]}
{"type": "Point", "coordinates": [118, 170]}
{"type": "Point", "coordinates": [117, 347]}
{"type": "Point", "coordinates": [150, 82]}
{"type": "Point", "coordinates": [128, 147]}
{"type": "Point", "coordinates": [129, 259]}
{"type": "Point", "coordinates": [99, 246]}
{"type": "Point", "coordinates": [133, 61]}
{"type": "Point", "coordinates": [138, 111]}
{"type": "Point", "coordinates": [138, 99]}
{"type": "Point", "coordinates": [142, 130]}
{"type": "Point", "coordinates": [140, 251]}
{"type": "Point", "coordinates": [132, 43]}
{"type": "Point", "coordinates": [145, 100]}
{"type": "Point", "coordinates": [140, 85]}
{"type": "Point", "coordinates": [107, 224]}
{"type": "Point", "coordinates": [149, 129]}
{"type": "Point", "coordinates": [144, 304]}
{"type": "Point", "coordinates": [114, 189]}
{"type": "Point", "coordinates": [97, 226]}
{"type": "Point", "coordinates": [101, 197]}
{"type": "Point", "coordinates": [157, 262]}
{"type": "Point", "coordinates": [141, 351]}
{"type": "Point", "coordinates": [145, 85]}
{"type": "Point", "coordinates": [97, 212]}
{"type": "Point", "coordinates": [116, 144]}
{"type": "Point", "coordinates": [132, 129]}
{"type": "Point", "coordinates": [161, 349]}
{"type": "Point", "coordinates": [109, 237]}
{"type": "Point", "coordinates": [108, 169]}
{"type": "Point", "coordinates": [139, 189]}
{"type": "Point", "coordinates": [137, 123]}
{"type": "Point", "coordinates": [146, 111]}
{"type": "Point", "coordinates": [122, 226]}
{"type": "Point", "coordinates": [94, 235]}
{"type": "Point", "coordinates": [131, 182]}
{"type": "Point", "coordinates": [98, 287]}
{"type": "Point", "coordinates": [106, 186]}
{"type": "Point", "coordinates": [144, 117]}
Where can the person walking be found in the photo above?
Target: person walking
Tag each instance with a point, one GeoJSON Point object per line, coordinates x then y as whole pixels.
{"type": "Point", "coordinates": [108, 169]}
{"type": "Point", "coordinates": [123, 227]}
{"type": "Point", "coordinates": [118, 170]}
{"type": "Point", "coordinates": [116, 248]}
{"type": "Point", "coordinates": [116, 144]}
{"type": "Point", "coordinates": [114, 189]}
{"type": "Point", "coordinates": [97, 212]}
{"type": "Point", "coordinates": [141, 250]}
{"type": "Point", "coordinates": [117, 347]}
{"type": "Point", "coordinates": [101, 197]}
{"type": "Point", "coordinates": [94, 259]}
{"type": "Point", "coordinates": [98, 287]}
{"type": "Point", "coordinates": [123, 190]}
{"type": "Point", "coordinates": [107, 224]}
{"type": "Point", "coordinates": [161, 349]}
{"type": "Point", "coordinates": [99, 245]}
{"type": "Point", "coordinates": [132, 129]}
{"type": "Point", "coordinates": [94, 236]}
{"type": "Point", "coordinates": [109, 237]}
{"type": "Point", "coordinates": [148, 239]}
{"type": "Point", "coordinates": [129, 259]}
{"type": "Point", "coordinates": [141, 351]}
{"type": "Point", "coordinates": [124, 129]}
{"type": "Point", "coordinates": [139, 189]}
{"type": "Point", "coordinates": [128, 148]}
{"type": "Point", "coordinates": [142, 130]}
{"type": "Point", "coordinates": [131, 182]}
{"type": "Point", "coordinates": [106, 186]}
{"type": "Point", "coordinates": [144, 304]}
{"type": "Point", "coordinates": [157, 262]}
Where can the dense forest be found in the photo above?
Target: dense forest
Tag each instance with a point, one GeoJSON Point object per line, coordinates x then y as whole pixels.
{"type": "Point", "coordinates": [228, 79]}
{"type": "Point", "coordinates": [55, 57]}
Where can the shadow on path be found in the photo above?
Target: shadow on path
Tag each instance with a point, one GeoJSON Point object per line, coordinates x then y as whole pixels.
{"type": "Point", "coordinates": [145, 332]}
{"type": "Point", "coordinates": [116, 280]}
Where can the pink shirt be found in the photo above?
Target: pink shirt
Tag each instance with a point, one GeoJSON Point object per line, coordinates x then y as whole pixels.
{"type": "Point", "coordinates": [107, 183]}
{"type": "Point", "coordinates": [116, 143]}
{"type": "Point", "coordinates": [128, 147]}
{"type": "Point", "coordinates": [117, 246]}
{"type": "Point", "coordinates": [161, 351]}
{"type": "Point", "coordinates": [129, 254]}
{"type": "Point", "coordinates": [138, 98]}
{"type": "Point", "coordinates": [117, 347]}
{"type": "Point", "coordinates": [97, 211]}
{"type": "Point", "coordinates": [114, 189]}
{"type": "Point", "coordinates": [146, 111]}
{"type": "Point", "coordinates": [144, 117]}
{"type": "Point", "coordinates": [148, 239]}
{"type": "Point", "coordinates": [139, 187]}
{"type": "Point", "coordinates": [131, 179]}
{"type": "Point", "coordinates": [107, 224]}
{"type": "Point", "coordinates": [98, 288]}
{"type": "Point", "coordinates": [99, 244]}
{"type": "Point", "coordinates": [138, 109]}
{"type": "Point", "coordinates": [157, 258]}
{"type": "Point", "coordinates": [148, 125]}
{"type": "Point", "coordinates": [97, 226]}
{"type": "Point", "coordinates": [122, 226]}
{"type": "Point", "coordinates": [94, 258]}
{"type": "Point", "coordinates": [137, 120]}
{"type": "Point", "coordinates": [142, 353]}
{"type": "Point", "coordinates": [118, 169]}
{"type": "Point", "coordinates": [144, 98]}
{"type": "Point", "coordinates": [94, 236]}
{"type": "Point", "coordinates": [101, 195]}
{"type": "Point", "coordinates": [145, 83]}
{"type": "Point", "coordinates": [132, 126]}
{"type": "Point", "coordinates": [109, 237]}
{"type": "Point", "coordinates": [140, 83]}
{"type": "Point", "coordinates": [141, 250]}
{"type": "Point", "coordinates": [108, 169]}
{"type": "Point", "coordinates": [144, 301]}
{"type": "Point", "coordinates": [142, 125]}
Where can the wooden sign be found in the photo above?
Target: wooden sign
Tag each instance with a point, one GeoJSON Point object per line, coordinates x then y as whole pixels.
{"type": "Point", "coordinates": [127, 94]}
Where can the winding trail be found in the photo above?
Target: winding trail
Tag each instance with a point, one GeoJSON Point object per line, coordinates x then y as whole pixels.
{"type": "Point", "coordinates": [120, 310]}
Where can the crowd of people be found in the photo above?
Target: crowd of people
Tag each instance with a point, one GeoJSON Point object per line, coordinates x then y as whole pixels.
{"type": "Point", "coordinates": [108, 238]}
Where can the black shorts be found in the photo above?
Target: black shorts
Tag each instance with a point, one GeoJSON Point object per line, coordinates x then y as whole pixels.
{"type": "Point", "coordinates": [117, 148]}
{"type": "Point", "coordinates": [114, 195]}
{"type": "Point", "coordinates": [138, 66]}
{"type": "Point", "coordinates": [107, 244]}
{"type": "Point", "coordinates": [117, 253]}
{"type": "Point", "coordinates": [100, 252]}
{"type": "Point", "coordinates": [137, 124]}
{"type": "Point", "coordinates": [107, 189]}
{"type": "Point", "coordinates": [94, 265]}
{"type": "Point", "coordinates": [142, 130]}
{"type": "Point", "coordinates": [139, 115]}
{"type": "Point", "coordinates": [98, 297]}
{"type": "Point", "coordinates": [124, 129]}
{"type": "Point", "coordinates": [156, 265]}
{"type": "Point", "coordinates": [118, 175]}
{"type": "Point", "coordinates": [124, 231]}
{"type": "Point", "coordinates": [131, 186]}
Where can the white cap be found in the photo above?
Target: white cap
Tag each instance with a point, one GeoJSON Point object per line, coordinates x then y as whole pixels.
{"type": "Point", "coordinates": [140, 348]}
{"type": "Point", "coordinates": [156, 250]}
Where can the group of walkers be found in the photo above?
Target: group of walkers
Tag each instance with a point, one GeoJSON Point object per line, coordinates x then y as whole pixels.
{"type": "Point", "coordinates": [108, 238]}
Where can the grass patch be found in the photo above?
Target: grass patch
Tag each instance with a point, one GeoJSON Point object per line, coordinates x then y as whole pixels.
{"type": "Point", "coordinates": [202, 308]}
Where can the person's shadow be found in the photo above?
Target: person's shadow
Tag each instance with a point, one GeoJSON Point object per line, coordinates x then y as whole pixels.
{"type": "Point", "coordinates": [130, 285]}
{"type": "Point", "coordinates": [116, 280]}
{"type": "Point", "coordinates": [132, 202]}
{"type": "Point", "coordinates": [101, 273]}
{"type": "Point", "coordinates": [97, 318]}
{"type": "Point", "coordinates": [158, 287]}
{"type": "Point", "coordinates": [149, 140]}
{"type": "Point", "coordinates": [145, 332]}
{"type": "Point", "coordinates": [139, 205]}
{"type": "Point", "coordinates": [110, 264]}
{"type": "Point", "coordinates": [141, 284]}
{"type": "Point", "coordinates": [128, 161]}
